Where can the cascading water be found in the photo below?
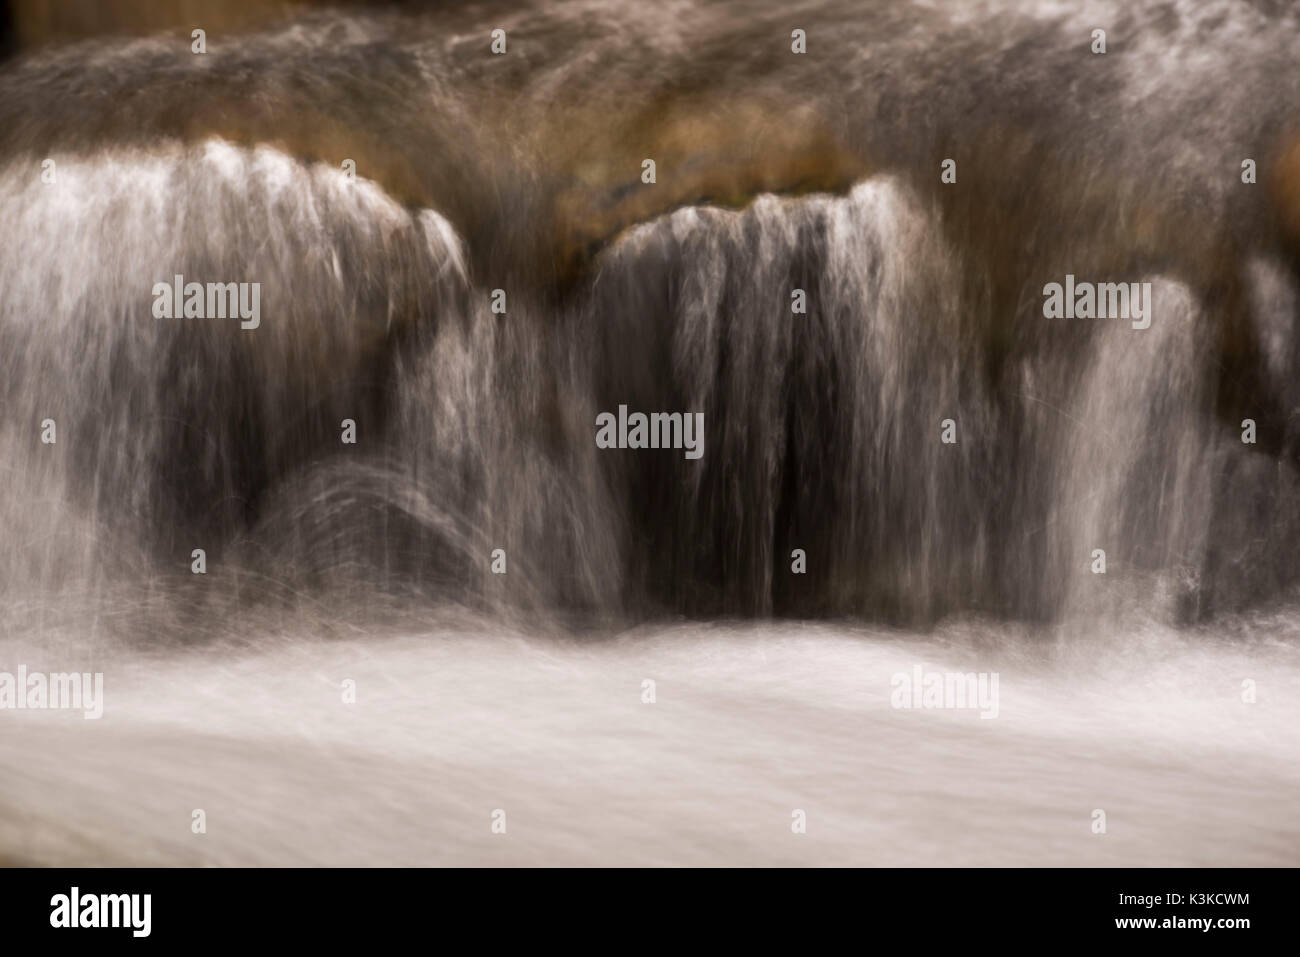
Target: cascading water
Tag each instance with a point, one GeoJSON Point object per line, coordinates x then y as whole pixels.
{"type": "Point", "coordinates": [944, 459]}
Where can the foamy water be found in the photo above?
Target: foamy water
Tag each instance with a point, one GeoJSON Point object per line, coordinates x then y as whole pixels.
{"type": "Point", "coordinates": [748, 725]}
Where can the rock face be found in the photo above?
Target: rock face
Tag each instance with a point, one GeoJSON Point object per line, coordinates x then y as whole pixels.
{"type": "Point", "coordinates": [707, 149]}
{"type": "Point", "coordinates": [1286, 185]}
{"type": "Point", "coordinates": [40, 23]}
{"type": "Point", "coordinates": [534, 182]}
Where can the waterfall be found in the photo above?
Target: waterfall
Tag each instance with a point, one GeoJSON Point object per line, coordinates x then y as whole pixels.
{"type": "Point", "coordinates": [824, 422]}
{"type": "Point", "coordinates": [306, 343]}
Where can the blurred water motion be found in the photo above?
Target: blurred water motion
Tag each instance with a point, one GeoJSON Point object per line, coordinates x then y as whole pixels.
{"type": "Point", "coordinates": [126, 159]}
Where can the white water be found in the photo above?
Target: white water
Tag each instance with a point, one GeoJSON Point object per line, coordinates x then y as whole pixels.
{"type": "Point", "coordinates": [749, 724]}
